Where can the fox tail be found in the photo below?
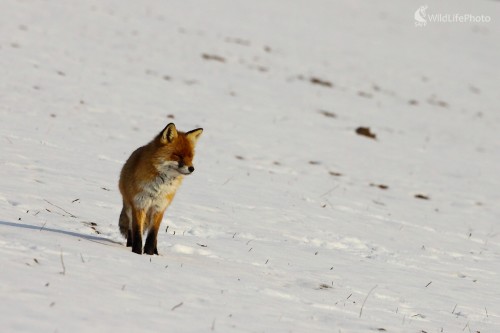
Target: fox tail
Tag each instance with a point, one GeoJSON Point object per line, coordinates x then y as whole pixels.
{"type": "Point", "coordinates": [124, 222]}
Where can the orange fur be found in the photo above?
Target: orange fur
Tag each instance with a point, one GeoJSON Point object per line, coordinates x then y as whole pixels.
{"type": "Point", "coordinates": [148, 183]}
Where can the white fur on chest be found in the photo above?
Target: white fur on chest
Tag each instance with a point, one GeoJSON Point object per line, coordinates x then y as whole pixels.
{"type": "Point", "coordinates": [153, 194]}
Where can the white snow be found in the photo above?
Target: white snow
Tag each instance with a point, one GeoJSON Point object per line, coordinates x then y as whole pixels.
{"type": "Point", "coordinates": [265, 236]}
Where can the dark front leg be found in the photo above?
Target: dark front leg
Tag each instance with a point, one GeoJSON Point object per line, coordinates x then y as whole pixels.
{"type": "Point", "coordinates": [129, 238]}
{"type": "Point", "coordinates": [137, 227]}
{"type": "Point", "coordinates": [151, 241]}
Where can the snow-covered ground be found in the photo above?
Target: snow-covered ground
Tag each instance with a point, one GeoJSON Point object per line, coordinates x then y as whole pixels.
{"type": "Point", "coordinates": [292, 222]}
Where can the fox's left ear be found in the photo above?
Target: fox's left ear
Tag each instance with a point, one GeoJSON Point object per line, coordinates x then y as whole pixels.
{"type": "Point", "coordinates": [193, 135]}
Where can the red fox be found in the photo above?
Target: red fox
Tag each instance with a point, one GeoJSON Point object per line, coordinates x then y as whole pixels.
{"type": "Point", "coordinates": [148, 182]}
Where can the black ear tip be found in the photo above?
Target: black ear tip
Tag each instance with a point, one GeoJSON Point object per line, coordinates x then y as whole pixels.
{"type": "Point", "coordinates": [169, 125]}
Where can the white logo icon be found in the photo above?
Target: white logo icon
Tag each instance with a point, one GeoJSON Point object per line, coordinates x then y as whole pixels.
{"type": "Point", "coordinates": [420, 16]}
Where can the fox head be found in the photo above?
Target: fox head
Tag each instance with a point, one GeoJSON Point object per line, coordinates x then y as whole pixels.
{"type": "Point", "coordinates": [175, 150]}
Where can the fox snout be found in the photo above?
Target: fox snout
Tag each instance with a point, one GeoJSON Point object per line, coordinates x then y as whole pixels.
{"type": "Point", "coordinates": [185, 170]}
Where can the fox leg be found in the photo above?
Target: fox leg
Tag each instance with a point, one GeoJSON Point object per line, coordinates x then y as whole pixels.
{"type": "Point", "coordinates": [129, 238]}
{"type": "Point", "coordinates": [151, 241]}
{"type": "Point", "coordinates": [129, 233]}
{"type": "Point", "coordinates": [138, 216]}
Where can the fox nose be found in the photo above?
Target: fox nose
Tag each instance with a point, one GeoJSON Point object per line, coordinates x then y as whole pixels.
{"type": "Point", "coordinates": [191, 169]}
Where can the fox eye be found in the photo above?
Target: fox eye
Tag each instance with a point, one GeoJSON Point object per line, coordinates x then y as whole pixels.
{"type": "Point", "coordinates": [177, 157]}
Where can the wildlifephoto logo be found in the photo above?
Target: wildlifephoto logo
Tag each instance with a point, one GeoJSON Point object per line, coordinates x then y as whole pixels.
{"type": "Point", "coordinates": [422, 17]}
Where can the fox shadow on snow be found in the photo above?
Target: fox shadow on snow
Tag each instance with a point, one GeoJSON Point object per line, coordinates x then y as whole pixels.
{"type": "Point", "coordinates": [64, 232]}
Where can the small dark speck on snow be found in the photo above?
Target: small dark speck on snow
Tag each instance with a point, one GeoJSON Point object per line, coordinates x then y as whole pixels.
{"type": "Point", "coordinates": [324, 286]}
{"type": "Point", "coordinates": [321, 82]}
{"type": "Point", "coordinates": [213, 57]}
{"type": "Point", "coordinates": [365, 131]}
{"type": "Point", "coordinates": [328, 114]}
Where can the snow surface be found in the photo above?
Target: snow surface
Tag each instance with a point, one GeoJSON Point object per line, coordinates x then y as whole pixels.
{"type": "Point", "coordinates": [284, 226]}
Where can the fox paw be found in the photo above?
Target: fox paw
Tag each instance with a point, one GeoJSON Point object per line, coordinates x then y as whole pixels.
{"type": "Point", "coordinates": [150, 251]}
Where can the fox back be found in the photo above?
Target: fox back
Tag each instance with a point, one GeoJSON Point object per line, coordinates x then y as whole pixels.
{"type": "Point", "coordinates": [148, 182]}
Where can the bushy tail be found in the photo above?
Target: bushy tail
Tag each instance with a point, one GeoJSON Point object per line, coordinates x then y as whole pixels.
{"type": "Point", "coordinates": [124, 222]}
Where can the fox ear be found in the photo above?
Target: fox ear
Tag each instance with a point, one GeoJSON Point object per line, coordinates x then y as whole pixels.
{"type": "Point", "coordinates": [194, 135]}
{"type": "Point", "coordinates": [168, 134]}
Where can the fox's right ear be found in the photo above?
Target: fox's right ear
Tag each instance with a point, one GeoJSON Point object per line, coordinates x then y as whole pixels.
{"type": "Point", "coordinates": [168, 134]}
